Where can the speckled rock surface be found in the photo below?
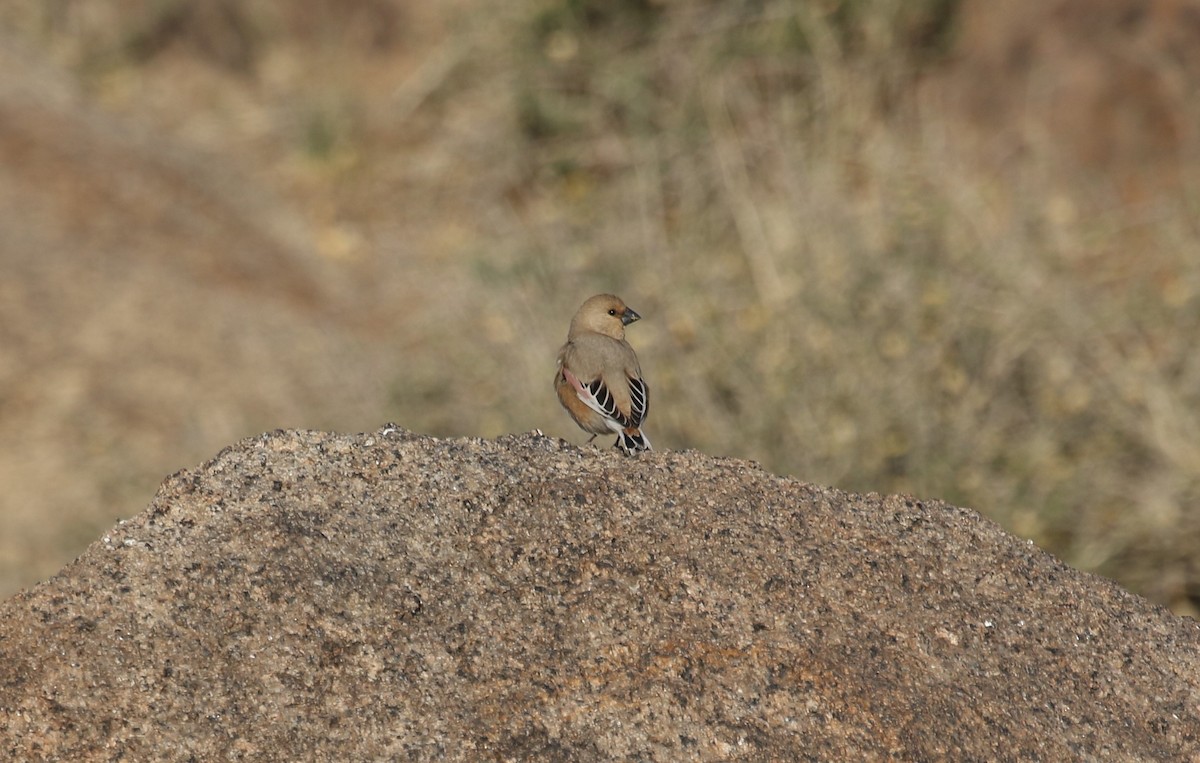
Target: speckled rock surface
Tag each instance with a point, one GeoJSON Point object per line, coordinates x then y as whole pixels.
{"type": "Point", "coordinates": [310, 596]}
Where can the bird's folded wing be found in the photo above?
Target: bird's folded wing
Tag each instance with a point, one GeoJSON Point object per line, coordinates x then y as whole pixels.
{"type": "Point", "coordinates": [598, 397]}
{"type": "Point", "coordinates": [639, 395]}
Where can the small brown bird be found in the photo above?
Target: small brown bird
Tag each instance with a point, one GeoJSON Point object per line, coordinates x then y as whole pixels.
{"type": "Point", "coordinates": [599, 380]}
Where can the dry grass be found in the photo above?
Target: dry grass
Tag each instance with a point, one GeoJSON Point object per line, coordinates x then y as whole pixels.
{"type": "Point", "coordinates": [836, 280]}
{"type": "Point", "coordinates": [837, 287]}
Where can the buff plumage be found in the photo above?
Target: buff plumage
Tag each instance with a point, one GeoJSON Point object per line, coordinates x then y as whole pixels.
{"type": "Point", "coordinates": [599, 380]}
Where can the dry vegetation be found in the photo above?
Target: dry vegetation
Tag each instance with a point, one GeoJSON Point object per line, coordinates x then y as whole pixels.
{"type": "Point", "coordinates": [849, 270]}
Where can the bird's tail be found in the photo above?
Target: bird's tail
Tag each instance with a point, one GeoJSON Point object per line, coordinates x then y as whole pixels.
{"type": "Point", "coordinates": [631, 441]}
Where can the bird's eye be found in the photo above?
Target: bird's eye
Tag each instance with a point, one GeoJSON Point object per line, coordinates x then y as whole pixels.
{"type": "Point", "coordinates": [612, 312]}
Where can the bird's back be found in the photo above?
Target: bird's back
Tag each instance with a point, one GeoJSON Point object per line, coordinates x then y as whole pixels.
{"type": "Point", "coordinates": [591, 356]}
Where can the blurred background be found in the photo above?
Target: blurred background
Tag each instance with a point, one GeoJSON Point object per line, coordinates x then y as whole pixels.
{"type": "Point", "coordinates": [948, 248]}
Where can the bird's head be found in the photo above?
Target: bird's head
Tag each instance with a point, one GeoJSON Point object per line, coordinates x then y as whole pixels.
{"type": "Point", "coordinates": [605, 314]}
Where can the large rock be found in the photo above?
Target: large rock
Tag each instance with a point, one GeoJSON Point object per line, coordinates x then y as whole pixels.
{"type": "Point", "coordinates": [310, 596]}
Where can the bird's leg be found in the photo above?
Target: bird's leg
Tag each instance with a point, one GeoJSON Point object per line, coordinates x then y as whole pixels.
{"type": "Point", "coordinates": [589, 440]}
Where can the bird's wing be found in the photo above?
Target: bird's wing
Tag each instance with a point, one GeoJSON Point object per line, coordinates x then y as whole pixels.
{"type": "Point", "coordinates": [597, 397]}
{"type": "Point", "coordinates": [601, 400]}
{"type": "Point", "coordinates": [605, 375]}
{"type": "Point", "coordinates": [639, 394]}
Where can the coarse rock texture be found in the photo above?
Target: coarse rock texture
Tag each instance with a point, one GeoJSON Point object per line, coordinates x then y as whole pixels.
{"type": "Point", "coordinates": [312, 596]}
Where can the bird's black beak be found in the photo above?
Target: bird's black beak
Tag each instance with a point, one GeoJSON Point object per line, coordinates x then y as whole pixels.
{"type": "Point", "coordinates": [629, 316]}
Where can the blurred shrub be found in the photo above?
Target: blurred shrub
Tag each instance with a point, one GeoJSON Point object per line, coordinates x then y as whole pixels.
{"type": "Point", "coordinates": [835, 287]}
{"type": "Point", "coordinates": [836, 279]}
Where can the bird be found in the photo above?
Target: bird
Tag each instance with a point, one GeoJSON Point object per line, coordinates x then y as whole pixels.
{"type": "Point", "coordinates": [599, 380]}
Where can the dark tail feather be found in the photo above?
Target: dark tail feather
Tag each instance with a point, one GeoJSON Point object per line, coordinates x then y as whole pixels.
{"type": "Point", "coordinates": [632, 442]}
